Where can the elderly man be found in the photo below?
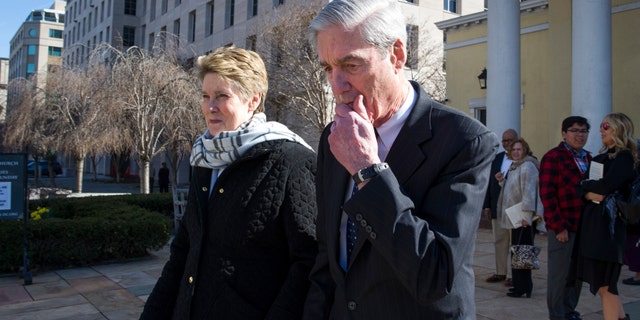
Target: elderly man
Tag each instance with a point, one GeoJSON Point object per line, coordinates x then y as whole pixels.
{"type": "Point", "coordinates": [401, 245]}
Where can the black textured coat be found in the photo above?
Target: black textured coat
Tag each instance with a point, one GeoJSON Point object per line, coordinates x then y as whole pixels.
{"type": "Point", "coordinates": [245, 251]}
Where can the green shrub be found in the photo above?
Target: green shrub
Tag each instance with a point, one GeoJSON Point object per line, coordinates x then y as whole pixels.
{"type": "Point", "coordinates": [85, 231]}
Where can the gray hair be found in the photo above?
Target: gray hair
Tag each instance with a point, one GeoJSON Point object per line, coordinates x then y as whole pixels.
{"type": "Point", "coordinates": [381, 22]}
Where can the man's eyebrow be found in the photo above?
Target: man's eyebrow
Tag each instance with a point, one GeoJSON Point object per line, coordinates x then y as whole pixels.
{"type": "Point", "coordinates": [343, 60]}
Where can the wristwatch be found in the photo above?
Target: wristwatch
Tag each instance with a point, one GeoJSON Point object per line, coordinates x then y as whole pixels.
{"type": "Point", "coordinates": [369, 172]}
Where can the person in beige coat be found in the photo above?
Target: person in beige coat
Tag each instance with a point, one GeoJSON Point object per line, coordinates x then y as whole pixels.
{"type": "Point", "coordinates": [520, 185]}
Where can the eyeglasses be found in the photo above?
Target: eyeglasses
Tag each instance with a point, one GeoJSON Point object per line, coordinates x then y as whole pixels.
{"type": "Point", "coordinates": [580, 131]}
{"type": "Point", "coordinates": [605, 126]}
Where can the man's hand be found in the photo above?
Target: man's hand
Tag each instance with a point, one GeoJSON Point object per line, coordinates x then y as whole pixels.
{"type": "Point", "coordinates": [352, 139]}
{"type": "Point", "coordinates": [563, 236]}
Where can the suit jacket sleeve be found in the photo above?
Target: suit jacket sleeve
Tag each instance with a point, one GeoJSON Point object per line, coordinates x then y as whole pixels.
{"type": "Point", "coordinates": [425, 228]}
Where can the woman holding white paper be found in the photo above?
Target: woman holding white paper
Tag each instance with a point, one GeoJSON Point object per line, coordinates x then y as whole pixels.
{"type": "Point", "coordinates": [600, 242]}
{"type": "Point", "coordinates": [520, 190]}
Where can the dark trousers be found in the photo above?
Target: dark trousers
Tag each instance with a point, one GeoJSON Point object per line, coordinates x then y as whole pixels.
{"type": "Point", "coordinates": [521, 279]}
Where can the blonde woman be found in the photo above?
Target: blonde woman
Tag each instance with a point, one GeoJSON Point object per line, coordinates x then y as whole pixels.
{"type": "Point", "coordinates": [246, 243]}
{"type": "Point", "coordinates": [601, 236]}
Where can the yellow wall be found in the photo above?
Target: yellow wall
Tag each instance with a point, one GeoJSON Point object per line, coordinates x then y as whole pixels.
{"type": "Point", "coordinates": [546, 69]}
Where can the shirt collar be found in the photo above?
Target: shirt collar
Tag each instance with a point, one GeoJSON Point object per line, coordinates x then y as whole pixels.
{"type": "Point", "coordinates": [578, 154]}
{"type": "Point", "coordinates": [389, 130]}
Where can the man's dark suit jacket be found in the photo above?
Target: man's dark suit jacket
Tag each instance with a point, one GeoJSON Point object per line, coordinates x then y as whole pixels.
{"type": "Point", "coordinates": [493, 190]}
{"type": "Point", "coordinates": [416, 223]}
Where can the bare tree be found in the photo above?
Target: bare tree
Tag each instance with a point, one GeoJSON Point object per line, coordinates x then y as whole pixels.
{"type": "Point", "coordinates": [151, 93]}
{"type": "Point", "coordinates": [425, 61]}
{"type": "Point", "coordinates": [29, 122]}
{"type": "Point", "coordinates": [79, 97]}
{"type": "Point", "coordinates": [299, 95]}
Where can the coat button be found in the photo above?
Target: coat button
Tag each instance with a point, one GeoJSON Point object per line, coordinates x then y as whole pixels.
{"type": "Point", "coordinates": [359, 217]}
{"type": "Point", "coordinates": [368, 229]}
{"type": "Point", "coordinates": [373, 235]}
{"type": "Point", "coordinates": [221, 190]}
{"type": "Point", "coordinates": [363, 223]}
{"type": "Point", "coordinates": [204, 189]}
{"type": "Point", "coordinates": [351, 305]}
{"type": "Point", "coordinates": [190, 279]}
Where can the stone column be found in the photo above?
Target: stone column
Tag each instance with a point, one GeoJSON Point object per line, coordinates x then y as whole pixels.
{"type": "Point", "coordinates": [591, 64]}
{"type": "Point", "coordinates": [503, 65]}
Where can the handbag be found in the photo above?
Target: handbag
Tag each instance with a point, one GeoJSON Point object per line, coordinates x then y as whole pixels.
{"type": "Point", "coordinates": [525, 256]}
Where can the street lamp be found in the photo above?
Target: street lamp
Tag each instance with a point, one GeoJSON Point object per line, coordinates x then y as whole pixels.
{"type": "Point", "coordinates": [482, 78]}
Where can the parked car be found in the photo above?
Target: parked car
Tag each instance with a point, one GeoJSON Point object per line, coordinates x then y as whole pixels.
{"type": "Point", "coordinates": [43, 166]}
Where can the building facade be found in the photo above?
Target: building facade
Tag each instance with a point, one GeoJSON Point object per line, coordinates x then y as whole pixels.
{"type": "Point", "coordinates": [564, 58]}
{"type": "Point", "coordinates": [37, 45]}
{"type": "Point", "coordinates": [192, 28]}
{"type": "Point", "coordinates": [4, 81]}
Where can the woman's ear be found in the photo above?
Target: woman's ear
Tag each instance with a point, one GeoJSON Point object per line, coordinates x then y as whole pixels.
{"type": "Point", "coordinates": [254, 102]}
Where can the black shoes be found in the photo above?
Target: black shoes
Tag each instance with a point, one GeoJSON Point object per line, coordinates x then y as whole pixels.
{"type": "Point", "coordinates": [519, 294]}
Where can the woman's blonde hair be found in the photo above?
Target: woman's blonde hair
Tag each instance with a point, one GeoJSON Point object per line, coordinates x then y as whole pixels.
{"type": "Point", "coordinates": [243, 69]}
{"type": "Point", "coordinates": [622, 135]}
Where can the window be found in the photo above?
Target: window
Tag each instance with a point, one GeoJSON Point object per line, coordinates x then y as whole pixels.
{"type": "Point", "coordinates": [130, 7]}
{"type": "Point", "coordinates": [109, 9]}
{"type": "Point", "coordinates": [278, 2]}
{"type": "Point", "coordinates": [95, 20]}
{"type": "Point", "coordinates": [192, 26]}
{"type": "Point", "coordinates": [32, 50]}
{"type": "Point", "coordinates": [252, 10]}
{"type": "Point", "coordinates": [50, 16]}
{"type": "Point", "coordinates": [55, 51]}
{"type": "Point", "coordinates": [128, 36]}
{"type": "Point", "coordinates": [33, 33]}
{"type": "Point", "coordinates": [107, 35]}
{"type": "Point", "coordinates": [176, 28]}
{"type": "Point", "coordinates": [61, 18]}
{"type": "Point", "coordinates": [36, 16]}
{"type": "Point", "coordinates": [251, 42]}
{"type": "Point", "coordinates": [89, 22]}
{"type": "Point", "coordinates": [177, 3]}
{"type": "Point", "coordinates": [102, 12]}
{"type": "Point", "coordinates": [31, 69]}
{"type": "Point", "coordinates": [412, 46]}
{"type": "Point", "coordinates": [209, 19]}
{"type": "Point", "coordinates": [152, 13]}
{"type": "Point", "coordinates": [451, 6]}
{"type": "Point", "coordinates": [229, 13]}
{"type": "Point", "coordinates": [152, 38]}
{"type": "Point", "coordinates": [165, 5]}
{"type": "Point", "coordinates": [55, 33]}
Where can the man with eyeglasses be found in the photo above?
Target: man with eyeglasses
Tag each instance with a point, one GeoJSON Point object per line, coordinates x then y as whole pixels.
{"type": "Point", "coordinates": [561, 170]}
{"type": "Point", "coordinates": [501, 236]}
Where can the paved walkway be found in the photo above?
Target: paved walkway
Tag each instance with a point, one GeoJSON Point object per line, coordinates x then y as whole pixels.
{"type": "Point", "coordinates": [118, 291]}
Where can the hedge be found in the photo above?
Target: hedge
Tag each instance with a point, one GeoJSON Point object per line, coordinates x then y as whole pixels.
{"type": "Point", "coordinates": [84, 231]}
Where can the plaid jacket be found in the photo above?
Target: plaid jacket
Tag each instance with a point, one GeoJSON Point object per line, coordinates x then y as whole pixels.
{"type": "Point", "coordinates": [559, 177]}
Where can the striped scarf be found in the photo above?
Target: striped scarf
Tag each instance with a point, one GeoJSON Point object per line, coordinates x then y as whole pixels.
{"type": "Point", "coordinates": [224, 148]}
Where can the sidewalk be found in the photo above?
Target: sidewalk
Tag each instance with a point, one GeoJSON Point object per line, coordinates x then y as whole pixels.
{"type": "Point", "coordinates": [118, 291]}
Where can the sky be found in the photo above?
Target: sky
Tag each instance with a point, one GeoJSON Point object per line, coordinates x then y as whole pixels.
{"type": "Point", "coordinates": [12, 15]}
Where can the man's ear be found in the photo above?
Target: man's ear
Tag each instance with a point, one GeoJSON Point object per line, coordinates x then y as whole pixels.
{"type": "Point", "coordinates": [398, 54]}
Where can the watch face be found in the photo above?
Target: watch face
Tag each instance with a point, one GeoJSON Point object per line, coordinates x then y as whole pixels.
{"type": "Point", "coordinates": [33, 33]}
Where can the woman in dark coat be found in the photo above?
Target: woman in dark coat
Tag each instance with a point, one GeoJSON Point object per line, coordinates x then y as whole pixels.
{"type": "Point", "coordinates": [602, 234]}
{"type": "Point", "coordinates": [246, 243]}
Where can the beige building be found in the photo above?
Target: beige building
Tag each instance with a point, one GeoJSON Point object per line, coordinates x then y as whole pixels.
{"type": "Point", "coordinates": [556, 58]}
{"type": "Point", "coordinates": [37, 45]}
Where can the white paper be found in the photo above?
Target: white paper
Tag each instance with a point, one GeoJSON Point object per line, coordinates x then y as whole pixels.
{"type": "Point", "coordinates": [596, 170]}
{"type": "Point", "coordinates": [516, 215]}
